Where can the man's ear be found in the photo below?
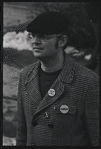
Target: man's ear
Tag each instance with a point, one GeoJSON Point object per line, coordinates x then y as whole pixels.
{"type": "Point", "coordinates": [63, 41]}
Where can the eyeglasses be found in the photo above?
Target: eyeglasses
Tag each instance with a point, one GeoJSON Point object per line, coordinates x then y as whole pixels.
{"type": "Point", "coordinates": [42, 36]}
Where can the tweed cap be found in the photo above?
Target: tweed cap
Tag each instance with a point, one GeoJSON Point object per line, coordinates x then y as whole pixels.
{"type": "Point", "coordinates": [49, 23]}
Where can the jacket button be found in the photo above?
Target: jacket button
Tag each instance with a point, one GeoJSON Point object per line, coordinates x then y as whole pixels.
{"type": "Point", "coordinates": [34, 123]}
{"type": "Point", "coordinates": [51, 125]}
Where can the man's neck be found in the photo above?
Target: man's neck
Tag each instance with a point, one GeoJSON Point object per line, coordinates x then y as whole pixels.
{"type": "Point", "coordinates": [53, 65]}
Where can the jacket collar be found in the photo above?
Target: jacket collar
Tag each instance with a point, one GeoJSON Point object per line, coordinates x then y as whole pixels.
{"type": "Point", "coordinates": [66, 75]}
{"type": "Point", "coordinates": [67, 72]}
{"type": "Point", "coordinates": [32, 72]}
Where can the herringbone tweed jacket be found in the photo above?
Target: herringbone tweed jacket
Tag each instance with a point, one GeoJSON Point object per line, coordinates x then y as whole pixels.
{"type": "Point", "coordinates": [68, 117]}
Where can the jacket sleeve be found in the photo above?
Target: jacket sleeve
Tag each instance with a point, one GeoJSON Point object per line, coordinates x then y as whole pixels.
{"type": "Point", "coordinates": [92, 112]}
{"type": "Point", "coordinates": [21, 133]}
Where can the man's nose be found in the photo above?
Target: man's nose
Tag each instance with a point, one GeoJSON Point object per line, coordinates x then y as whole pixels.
{"type": "Point", "coordinates": [36, 40]}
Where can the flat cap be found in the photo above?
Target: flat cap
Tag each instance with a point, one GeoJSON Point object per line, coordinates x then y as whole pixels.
{"type": "Point", "coordinates": [51, 22]}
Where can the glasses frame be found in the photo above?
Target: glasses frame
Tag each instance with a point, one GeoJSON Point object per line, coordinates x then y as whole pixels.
{"type": "Point", "coordinates": [46, 37]}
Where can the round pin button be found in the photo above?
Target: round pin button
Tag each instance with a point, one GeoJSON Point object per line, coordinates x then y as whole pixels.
{"type": "Point", "coordinates": [64, 109]}
{"type": "Point", "coordinates": [51, 92]}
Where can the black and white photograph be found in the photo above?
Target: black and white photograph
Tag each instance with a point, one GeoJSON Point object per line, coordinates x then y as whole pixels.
{"type": "Point", "coordinates": [51, 73]}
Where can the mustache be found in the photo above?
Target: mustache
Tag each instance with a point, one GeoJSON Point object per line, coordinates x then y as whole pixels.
{"type": "Point", "coordinates": [36, 47]}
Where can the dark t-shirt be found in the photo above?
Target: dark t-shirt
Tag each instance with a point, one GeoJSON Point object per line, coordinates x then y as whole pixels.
{"type": "Point", "coordinates": [46, 79]}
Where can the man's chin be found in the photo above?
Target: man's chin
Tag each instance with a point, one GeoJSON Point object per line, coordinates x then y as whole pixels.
{"type": "Point", "coordinates": [41, 57]}
{"type": "Point", "coordinates": [38, 56]}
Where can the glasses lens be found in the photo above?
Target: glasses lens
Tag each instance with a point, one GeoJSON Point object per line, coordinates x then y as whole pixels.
{"type": "Point", "coordinates": [38, 35]}
{"type": "Point", "coordinates": [30, 36]}
{"type": "Point", "coordinates": [41, 36]}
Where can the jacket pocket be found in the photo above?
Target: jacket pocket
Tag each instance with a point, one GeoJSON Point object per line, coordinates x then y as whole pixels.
{"type": "Point", "coordinates": [65, 109]}
{"type": "Point", "coordinates": [64, 114]}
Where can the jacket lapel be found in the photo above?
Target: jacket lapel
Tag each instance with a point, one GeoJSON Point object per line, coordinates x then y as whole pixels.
{"type": "Point", "coordinates": [48, 100]}
{"type": "Point", "coordinates": [66, 76]}
{"type": "Point", "coordinates": [32, 85]}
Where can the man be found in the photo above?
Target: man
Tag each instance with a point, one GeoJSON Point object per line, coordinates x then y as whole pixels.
{"type": "Point", "coordinates": [58, 99]}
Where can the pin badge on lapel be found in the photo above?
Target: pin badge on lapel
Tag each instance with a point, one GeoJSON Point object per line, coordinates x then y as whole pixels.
{"type": "Point", "coordinates": [51, 92]}
{"type": "Point", "coordinates": [46, 115]}
{"type": "Point", "coordinates": [64, 109]}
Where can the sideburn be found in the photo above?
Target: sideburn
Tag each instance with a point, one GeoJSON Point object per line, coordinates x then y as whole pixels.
{"type": "Point", "coordinates": [57, 43]}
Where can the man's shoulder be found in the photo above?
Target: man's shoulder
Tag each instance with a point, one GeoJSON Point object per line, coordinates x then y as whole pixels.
{"type": "Point", "coordinates": [84, 72]}
{"type": "Point", "coordinates": [28, 68]}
